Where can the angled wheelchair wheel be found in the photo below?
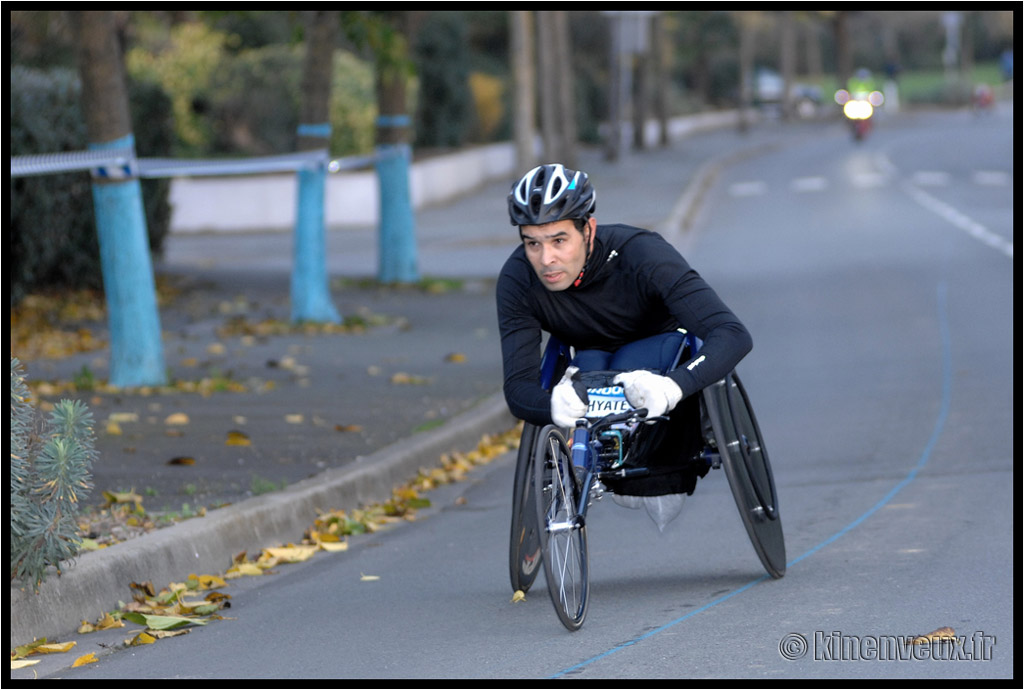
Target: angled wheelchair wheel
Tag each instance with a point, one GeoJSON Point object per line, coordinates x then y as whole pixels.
{"type": "Point", "coordinates": [563, 536]}
{"type": "Point", "coordinates": [745, 460]}
{"type": "Point", "coordinates": [524, 553]}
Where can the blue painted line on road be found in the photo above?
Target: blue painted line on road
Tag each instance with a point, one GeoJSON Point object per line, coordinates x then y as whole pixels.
{"type": "Point", "coordinates": [940, 422]}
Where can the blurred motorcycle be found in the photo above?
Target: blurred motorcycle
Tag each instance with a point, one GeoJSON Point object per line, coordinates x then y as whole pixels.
{"type": "Point", "coordinates": [859, 109]}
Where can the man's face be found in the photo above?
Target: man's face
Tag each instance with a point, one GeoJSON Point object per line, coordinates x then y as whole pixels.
{"type": "Point", "coordinates": [557, 251]}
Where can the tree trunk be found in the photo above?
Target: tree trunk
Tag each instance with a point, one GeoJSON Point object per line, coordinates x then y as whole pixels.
{"type": "Point", "coordinates": [310, 286]}
{"type": "Point", "coordinates": [321, 37]}
{"type": "Point", "coordinates": [104, 94]}
{"type": "Point", "coordinates": [661, 79]}
{"type": "Point", "coordinates": [136, 349]}
{"type": "Point", "coordinates": [524, 80]}
{"type": "Point", "coordinates": [787, 60]}
{"type": "Point", "coordinates": [641, 99]}
{"type": "Point", "coordinates": [844, 57]}
{"type": "Point", "coordinates": [547, 75]}
{"type": "Point", "coordinates": [566, 88]}
{"type": "Point", "coordinates": [746, 61]}
{"type": "Point", "coordinates": [398, 252]}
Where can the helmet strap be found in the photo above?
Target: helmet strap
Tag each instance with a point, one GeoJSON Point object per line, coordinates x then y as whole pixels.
{"type": "Point", "coordinates": [586, 261]}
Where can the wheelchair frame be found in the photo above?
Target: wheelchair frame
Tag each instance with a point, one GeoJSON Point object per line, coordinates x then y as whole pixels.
{"type": "Point", "coordinates": [732, 441]}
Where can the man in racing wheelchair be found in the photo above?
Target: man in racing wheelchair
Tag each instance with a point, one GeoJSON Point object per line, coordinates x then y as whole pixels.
{"type": "Point", "coordinates": [618, 295]}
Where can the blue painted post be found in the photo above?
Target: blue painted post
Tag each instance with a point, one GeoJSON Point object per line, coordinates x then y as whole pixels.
{"type": "Point", "coordinates": [136, 349]}
{"type": "Point", "coordinates": [397, 237]}
{"type": "Point", "coordinates": [310, 291]}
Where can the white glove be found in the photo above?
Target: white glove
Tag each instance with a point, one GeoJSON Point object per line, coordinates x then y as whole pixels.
{"type": "Point", "coordinates": [659, 394]}
{"type": "Point", "coordinates": [566, 406]}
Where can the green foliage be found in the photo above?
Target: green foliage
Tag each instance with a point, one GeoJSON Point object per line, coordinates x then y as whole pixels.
{"type": "Point", "coordinates": [51, 236]}
{"type": "Point", "coordinates": [232, 98]}
{"type": "Point", "coordinates": [253, 101]}
{"type": "Point", "coordinates": [50, 474]}
{"type": "Point", "coordinates": [185, 68]}
{"type": "Point", "coordinates": [445, 102]}
{"type": "Point", "coordinates": [353, 106]}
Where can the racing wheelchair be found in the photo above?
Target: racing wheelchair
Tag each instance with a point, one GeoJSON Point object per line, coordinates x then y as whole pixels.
{"type": "Point", "coordinates": [557, 478]}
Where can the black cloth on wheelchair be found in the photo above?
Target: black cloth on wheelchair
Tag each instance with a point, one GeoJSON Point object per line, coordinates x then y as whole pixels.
{"type": "Point", "coordinates": [670, 449]}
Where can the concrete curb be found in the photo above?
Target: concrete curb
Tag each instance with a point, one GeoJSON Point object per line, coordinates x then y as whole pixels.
{"type": "Point", "coordinates": [98, 580]}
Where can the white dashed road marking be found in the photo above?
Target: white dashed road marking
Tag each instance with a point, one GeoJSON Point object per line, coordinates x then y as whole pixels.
{"type": "Point", "coordinates": [991, 178]}
{"type": "Point", "coordinates": [755, 188]}
{"type": "Point", "coordinates": [808, 184]}
{"type": "Point", "coordinates": [930, 178]}
{"type": "Point", "coordinates": [912, 186]}
{"type": "Point", "coordinates": [971, 227]}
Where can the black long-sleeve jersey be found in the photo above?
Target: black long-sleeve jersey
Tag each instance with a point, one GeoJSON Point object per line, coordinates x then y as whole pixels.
{"type": "Point", "coordinates": [635, 285]}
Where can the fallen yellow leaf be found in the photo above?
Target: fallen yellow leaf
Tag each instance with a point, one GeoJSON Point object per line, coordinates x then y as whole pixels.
{"type": "Point", "coordinates": [369, 578]}
{"type": "Point", "coordinates": [945, 633]}
{"type": "Point", "coordinates": [90, 545]}
{"type": "Point", "coordinates": [334, 546]}
{"type": "Point", "coordinates": [162, 634]}
{"type": "Point", "coordinates": [242, 570]}
{"type": "Point", "coordinates": [113, 497]}
{"type": "Point", "coordinates": [518, 596]}
{"type": "Point", "coordinates": [177, 419]}
{"type": "Point", "coordinates": [141, 638]}
{"type": "Point", "coordinates": [23, 663]}
{"type": "Point", "coordinates": [292, 554]}
{"type": "Point", "coordinates": [89, 658]}
{"type": "Point", "coordinates": [294, 418]}
{"type": "Point", "coordinates": [107, 622]}
{"type": "Point", "coordinates": [456, 357]}
{"type": "Point", "coordinates": [146, 588]}
{"type": "Point", "coordinates": [55, 648]}
{"type": "Point", "coordinates": [402, 378]}
{"type": "Point", "coordinates": [237, 438]}
{"type": "Point", "coordinates": [211, 581]}
{"type": "Point", "coordinates": [24, 650]}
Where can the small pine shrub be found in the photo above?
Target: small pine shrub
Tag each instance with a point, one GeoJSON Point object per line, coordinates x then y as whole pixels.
{"type": "Point", "coordinates": [50, 474]}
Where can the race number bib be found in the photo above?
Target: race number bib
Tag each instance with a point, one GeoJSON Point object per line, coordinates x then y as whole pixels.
{"type": "Point", "coordinates": [607, 400]}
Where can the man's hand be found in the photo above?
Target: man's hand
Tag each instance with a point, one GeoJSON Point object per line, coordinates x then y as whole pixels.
{"type": "Point", "coordinates": [566, 405]}
{"type": "Point", "coordinates": [659, 394]}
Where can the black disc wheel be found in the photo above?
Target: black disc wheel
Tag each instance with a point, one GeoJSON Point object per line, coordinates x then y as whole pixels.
{"type": "Point", "coordinates": [563, 535]}
{"type": "Point", "coordinates": [745, 460]}
{"type": "Point", "coordinates": [524, 555]}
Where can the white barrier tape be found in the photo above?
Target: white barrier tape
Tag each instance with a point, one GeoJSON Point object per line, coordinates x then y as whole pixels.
{"type": "Point", "coordinates": [121, 164]}
{"type": "Point", "coordinates": [167, 167]}
{"type": "Point", "coordinates": [23, 166]}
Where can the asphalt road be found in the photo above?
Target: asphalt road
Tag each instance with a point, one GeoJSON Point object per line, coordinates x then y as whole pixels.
{"type": "Point", "coordinates": [881, 301]}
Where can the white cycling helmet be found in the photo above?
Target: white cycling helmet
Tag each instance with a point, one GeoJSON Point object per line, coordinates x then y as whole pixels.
{"type": "Point", "coordinates": [550, 193]}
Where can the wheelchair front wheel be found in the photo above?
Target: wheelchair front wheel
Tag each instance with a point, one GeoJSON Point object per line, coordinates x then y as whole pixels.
{"type": "Point", "coordinates": [524, 553]}
{"type": "Point", "coordinates": [563, 536]}
{"type": "Point", "coordinates": [745, 460]}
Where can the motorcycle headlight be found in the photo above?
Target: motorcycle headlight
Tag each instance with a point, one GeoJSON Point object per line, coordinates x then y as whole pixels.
{"type": "Point", "coordinates": [858, 110]}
